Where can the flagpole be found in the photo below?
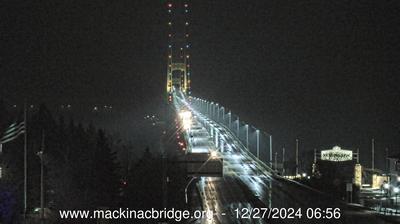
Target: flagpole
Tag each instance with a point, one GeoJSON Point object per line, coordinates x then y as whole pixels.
{"type": "Point", "coordinates": [25, 162]}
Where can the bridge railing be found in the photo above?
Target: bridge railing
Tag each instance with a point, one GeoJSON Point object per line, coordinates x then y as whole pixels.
{"type": "Point", "coordinates": [257, 142]}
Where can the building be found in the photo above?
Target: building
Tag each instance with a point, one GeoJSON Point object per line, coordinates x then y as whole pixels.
{"type": "Point", "coordinates": [394, 169]}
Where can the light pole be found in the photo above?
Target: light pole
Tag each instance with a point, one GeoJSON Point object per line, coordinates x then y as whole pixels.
{"type": "Point", "coordinates": [212, 110]}
{"type": "Point", "coordinates": [41, 154]}
{"type": "Point", "coordinates": [297, 157]}
{"type": "Point", "coordinates": [186, 197]}
{"type": "Point", "coordinates": [283, 161]}
{"type": "Point", "coordinates": [223, 114]}
{"type": "Point", "coordinates": [247, 136]}
{"type": "Point", "coordinates": [217, 108]}
{"type": "Point", "coordinates": [276, 161]}
{"type": "Point", "coordinates": [270, 149]}
{"type": "Point", "coordinates": [396, 192]}
{"type": "Point", "coordinates": [230, 119]}
{"type": "Point", "coordinates": [373, 153]}
{"type": "Point", "coordinates": [258, 143]}
{"type": "Point", "coordinates": [238, 128]}
{"type": "Point", "coordinates": [216, 138]}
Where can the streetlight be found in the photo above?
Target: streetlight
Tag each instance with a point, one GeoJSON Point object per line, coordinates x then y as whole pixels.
{"type": "Point", "coordinates": [223, 114]}
{"type": "Point", "coordinates": [213, 155]}
{"type": "Point", "coordinates": [217, 108]}
{"type": "Point", "coordinates": [41, 155]}
{"type": "Point", "coordinates": [386, 186]}
{"type": "Point", "coordinates": [238, 128]}
{"type": "Point", "coordinates": [212, 110]}
{"type": "Point", "coordinates": [247, 136]}
{"type": "Point", "coordinates": [258, 143]}
{"type": "Point", "coordinates": [230, 119]}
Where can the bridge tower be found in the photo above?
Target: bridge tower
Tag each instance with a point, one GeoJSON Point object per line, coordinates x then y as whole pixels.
{"type": "Point", "coordinates": [178, 63]}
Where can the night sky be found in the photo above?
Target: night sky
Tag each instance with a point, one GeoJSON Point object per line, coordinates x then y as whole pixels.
{"type": "Point", "coordinates": [325, 72]}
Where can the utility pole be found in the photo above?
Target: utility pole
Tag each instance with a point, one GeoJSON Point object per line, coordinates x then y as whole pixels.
{"type": "Point", "coordinates": [41, 155]}
{"type": "Point", "coordinates": [387, 160]}
{"type": "Point", "coordinates": [373, 153]}
{"type": "Point", "coordinates": [25, 162]}
{"type": "Point", "coordinates": [276, 161]}
{"type": "Point", "coordinates": [297, 157]}
{"type": "Point", "coordinates": [283, 161]}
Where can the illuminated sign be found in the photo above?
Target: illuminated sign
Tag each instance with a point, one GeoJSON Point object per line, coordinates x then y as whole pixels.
{"type": "Point", "coordinates": [337, 154]}
{"type": "Point", "coordinates": [358, 175]}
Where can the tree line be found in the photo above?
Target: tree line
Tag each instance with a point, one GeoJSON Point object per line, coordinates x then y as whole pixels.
{"type": "Point", "coordinates": [85, 168]}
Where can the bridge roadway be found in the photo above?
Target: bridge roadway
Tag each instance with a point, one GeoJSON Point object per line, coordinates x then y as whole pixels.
{"type": "Point", "coordinates": [248, 184]}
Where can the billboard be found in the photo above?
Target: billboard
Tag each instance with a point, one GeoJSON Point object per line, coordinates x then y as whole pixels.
{"type": "Point", "coordinates": [336, 154]}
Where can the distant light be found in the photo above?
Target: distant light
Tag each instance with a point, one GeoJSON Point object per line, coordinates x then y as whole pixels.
{"type": "Point", "coordinates": [32, 106]}
{"type": "Point", "coordinates": [14, 105]}
{"type": "Point", "coordinates": [187, 46]}
{"type": "Point", "coordinates": [304, 174]}
{"type": "Point", "coordinates": [169, 5]}
{"type": "Point", "coordinates": [169, 23]}
{"type": "Point", "coordinates": [186, 10]}
{"type": "Point", "coordinates": [386, 186]}
{"type": "Point", "coordinates": [95, 108]}
{"type": "Point", "coordinates": [214, 154]}
{"type": "Point", "coordinates": [170, 46]}
{"type": "Point", "coordinates": [169, 11]}
{"type": "Point", "coordinates": [186, 5]}
{"type": "Point", "coordinates": [396, 190]}
{"type": "Point", "coordinates": [398, 179]}
{"type": "Point", "coordinates": [186, 23]}
{"type": "Point", "coordinates": [187, 56]}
